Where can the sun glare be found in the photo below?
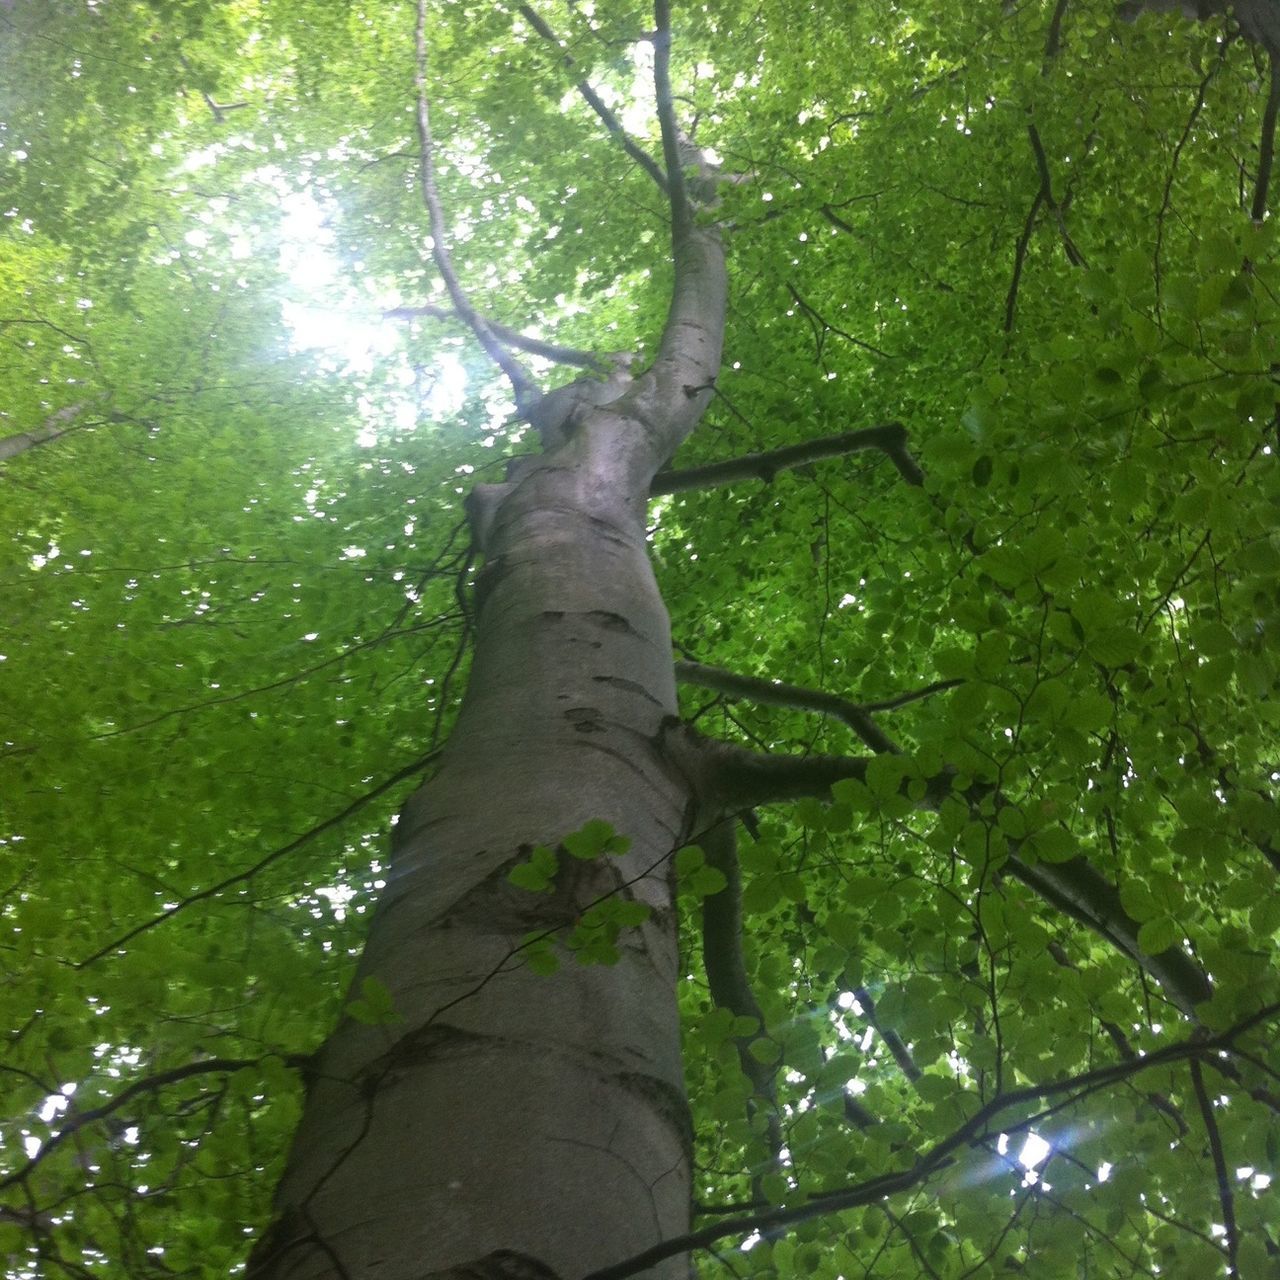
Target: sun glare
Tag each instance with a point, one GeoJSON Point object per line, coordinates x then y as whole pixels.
{"type": "Point", "coordinates": [324, 317]}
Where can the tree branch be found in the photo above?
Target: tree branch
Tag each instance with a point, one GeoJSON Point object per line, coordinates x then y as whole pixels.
{"type": "Point", "coordinates": [669, 399]}
{"type": "Point", "coordinates": [594, 101]}
{"type": "Point", "coordinates": [664, 101]}
{"type": "Point", "coordinates": [893, 1041]}
{"type": "Point", "coordinates": [1267, 143]}
{"type": "Point", "coordinates": [726, 969]}
{"type": "Point", "coordinates": [1056, 207]}
{"type": "Point", "coordinates": [521, 384]}
{"type": "Point", "coordinates": [771, 693]}
{"type": "Point", "coordinates": [275, 855]}
{"type": "Point", "coordinates": [59, 423]}
{"type": "Point", "coordinates": [1258, 20]}
{"type": "Point", "coordinates": [1078, 891]}
{"type": "Point", "coordinates": [511, 337]}
{"type": "Point", "coordinates": [725, 776]}
{"type": "Point", "coordinates": [1226, 1197]}
{"type": "Point", "coordinates": [939, 1156]}
{"type": "Point", "coordinates": [891, 439]}
{"type": "Point", "coordinates": [77, 1120]}
{"type": "Point", "coordinates": [1053, 41]}
{"type": "Point", "coordinates": [1019, 259]}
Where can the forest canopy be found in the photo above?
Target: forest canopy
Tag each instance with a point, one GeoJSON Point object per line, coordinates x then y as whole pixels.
{"type": "Point", "coordinates": [993, 542]}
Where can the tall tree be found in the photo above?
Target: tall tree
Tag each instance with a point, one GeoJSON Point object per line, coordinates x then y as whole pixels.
{"type": "Point", "coordinates": [908, 375]}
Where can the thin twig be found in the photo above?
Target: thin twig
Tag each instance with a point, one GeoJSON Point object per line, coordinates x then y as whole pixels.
{"type": "Point", "coordinates": [1226, 1197]}
{"type": "Point", "coordinates": [416, 766]}
{"type": "Point", "coordinates": [912, 695]}
{"type": "Point", "coordinates": [1166, 199]}
{"type": "Point", "coordinates": [826, 324]}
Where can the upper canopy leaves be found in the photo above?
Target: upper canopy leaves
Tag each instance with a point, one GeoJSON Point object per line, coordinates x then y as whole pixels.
{"type": "Point", "coordinates": [232, 581]}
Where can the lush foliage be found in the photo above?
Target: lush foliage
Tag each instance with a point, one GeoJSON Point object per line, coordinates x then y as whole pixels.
{"type": "Point", "coordinates": [236, 575]}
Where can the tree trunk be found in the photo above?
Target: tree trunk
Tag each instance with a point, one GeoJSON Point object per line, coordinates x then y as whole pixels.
{"type": "Point", "coordinates": [508, 1118]}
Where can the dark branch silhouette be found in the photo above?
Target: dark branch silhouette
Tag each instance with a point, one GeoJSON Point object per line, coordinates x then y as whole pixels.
{"type": "Point", "coordinates": [891, 439]}
{"type": "Point", "coordinates": [937, 1157]}
{"type": "Point", "coordinates": [769, 693]}
{"type": "Point", "coordinates": [409, 771]}
{"type": "Point", "coordinates": [593, 99]}
{"type": "Point", "coordinates": [1267, 143]}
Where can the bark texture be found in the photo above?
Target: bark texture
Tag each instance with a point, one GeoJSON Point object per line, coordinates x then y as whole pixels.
{"type": "Point", "coordinates": [508, 1114]}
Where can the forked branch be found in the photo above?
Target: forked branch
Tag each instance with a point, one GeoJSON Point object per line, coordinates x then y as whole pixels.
{"type": "Point", "coordinates": [780, 694]}
{"type": "Point", "coordinates": [890, 439]}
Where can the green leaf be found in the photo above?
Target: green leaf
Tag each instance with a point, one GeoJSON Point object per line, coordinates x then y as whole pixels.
{"type": "Point", "coordinates": [527, 876]}
{"type": "Point", "coordinates": [1155, 936]}
{"type": "Point", "coordinates": [775, 1189]}
{"type": "Point", "coordinates": [374, 1006]}
{"type": "Point", "coordinates": [1114, 646]}
{"type": "Point", "coordinates": [538, 873]}
{"type": "Point", "coordinates": [765, 1051]}
{"type": "Point", "coordinates": [689, 860]}
{"type": "Point", "coordinates": [1133, 271]}
{"type": "Point", "coordinates": [885, 774]}
{"type": "Point", "coordinates": [1213, 639]}
{"type": "Point", "coordinates": [1218, 251]}
{"type": "Point", "coordinates": [541, 959]}
{"type": "Point", "coordinates": [1054, 844]}
{"type": "Point", "coordinates": [595, 838]}
{"type": "Point", "coordinates": [845, 929]}
{"type": "Point", "coordinates": [1138, 900]}
{"type": "Point", "coordinates": [629, 913]}
{"type": "Point", "coordinates": [705, 881]}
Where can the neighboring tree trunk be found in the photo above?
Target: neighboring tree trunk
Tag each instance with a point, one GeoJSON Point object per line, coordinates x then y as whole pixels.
{"type": "Point", "coordinates": [511, 1119]}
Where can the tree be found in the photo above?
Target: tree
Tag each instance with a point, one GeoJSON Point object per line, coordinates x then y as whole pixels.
{"type": "Point", "coordinates": [911, 374]}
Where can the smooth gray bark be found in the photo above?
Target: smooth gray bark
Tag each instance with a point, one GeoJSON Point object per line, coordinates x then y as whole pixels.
{"type": "Point", "coordinates": [512, 1122]}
